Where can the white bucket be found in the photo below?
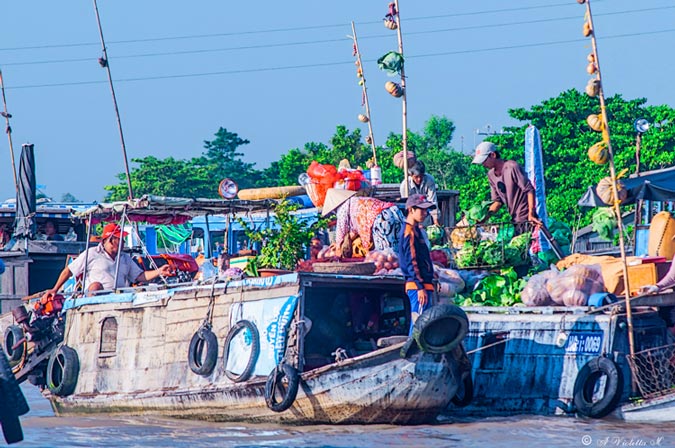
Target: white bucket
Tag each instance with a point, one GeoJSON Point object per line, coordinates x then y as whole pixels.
{"type": "Point", "coordinates": [376, 175]}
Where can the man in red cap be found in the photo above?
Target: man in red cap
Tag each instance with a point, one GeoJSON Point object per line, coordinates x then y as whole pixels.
{"type": "Point", "coordinates": [100, 263]}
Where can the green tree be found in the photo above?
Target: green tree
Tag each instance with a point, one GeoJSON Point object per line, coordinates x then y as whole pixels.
{"type": "Point", "coordinates": [67, 197]}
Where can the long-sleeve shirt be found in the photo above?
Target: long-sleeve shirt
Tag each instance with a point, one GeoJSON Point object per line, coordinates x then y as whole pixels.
{"type": "Point", "coordinates": [511, 189]}
{"type": "Point", "coordinates": [415, 258]}
{"type": "Point", "coordinates": [427, 188]}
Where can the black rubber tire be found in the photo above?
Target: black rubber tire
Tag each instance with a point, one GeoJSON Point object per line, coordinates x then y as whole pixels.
{"type": "Point", "coordinates": [13, 333]}
{"type": "Point", "coordinates": [12, 401]}
{"type": "Point", "coordinates": [255, 350]}
{"type": "Point", "coordinates": [584, 386]}
{"type": "Point", "coordinates": [63, 369]}
{"type": "Point", "coordinates": [440, 328]}
{"type": "Point", "coordinates": [464, 395]}
{"type": "Point", "coordinates": [202, 363]}
{"type": "Point", "coordinates": [11, 430]}
{"type": "Point", "coordinates": [286, 380]}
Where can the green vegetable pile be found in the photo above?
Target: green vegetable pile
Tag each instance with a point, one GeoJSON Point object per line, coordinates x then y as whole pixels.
{"type": "Point", "coordinates": [495, 252]}
{"type": "Point", "coordinates": [502, 289]}
{"type": "Point", "coordinates": [562, 234]}
{"type": "Point", "coordinates": [604, 222]}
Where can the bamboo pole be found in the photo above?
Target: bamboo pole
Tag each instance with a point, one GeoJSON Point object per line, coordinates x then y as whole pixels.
{"type": "Point", "coordinates": [404, 103]}
{"type": "Point", "coordinates": [8, 129]}
{"type": "Point", "coordinates": [615, 190]}
{"type": "Point", "coordinates": [365, 94]}
{"type": "Point", "coordinates": [105, 63]}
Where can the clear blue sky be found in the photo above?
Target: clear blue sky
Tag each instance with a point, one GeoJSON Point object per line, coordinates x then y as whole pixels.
{"type": "Point", "coordinates": [282, 74]}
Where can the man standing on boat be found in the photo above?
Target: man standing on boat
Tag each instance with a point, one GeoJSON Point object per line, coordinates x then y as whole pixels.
{"type": "Point", "coordinates": [509, 186]}
{"type": "Point", "coordinates": [100, 263]}
{"type": "Point", "coordinates": [415, 258]}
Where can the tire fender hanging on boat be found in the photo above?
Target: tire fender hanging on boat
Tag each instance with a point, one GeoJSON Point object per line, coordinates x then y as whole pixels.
{"type": "Point", "coordinates": [242, 325]}
{"type": "Point", "coordinates": [440, 328]}
{"type": "Point", "coordinates": [13, 334]}
{"type": "Point", "coordinates": [12, 402]}
{"type": "Point", "coordinates": [282, 383]}
{"type": "Point", "coordinates": [585, 384]}
{"type": "Point", "coordinates": [63, 369]}
{"type": "Point", "coordinates": [203, 351]}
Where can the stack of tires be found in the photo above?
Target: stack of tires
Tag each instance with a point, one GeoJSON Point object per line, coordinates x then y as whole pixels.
{"type": "Point", "coordinates": [12, 402]}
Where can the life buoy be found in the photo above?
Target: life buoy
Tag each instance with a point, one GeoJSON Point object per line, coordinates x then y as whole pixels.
{"type": "Point", "coordinates": [203, 352]}
{"type": "Point", "coordinates": [13, 334]}
{"type": "Point", "coordinates": [440, 328]}
{"type": "Point", "coordinates": [281, 387]}
{"type": "Point", "coordinates": [585, 385]}
{"type": "Point", "coordinates": [240, 326]}
{"type": "Point", "coordinates": [63, 369]}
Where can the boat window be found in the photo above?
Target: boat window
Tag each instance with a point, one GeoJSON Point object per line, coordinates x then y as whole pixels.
{"type": "Point", "coordinates": [492, 351]}
{"type": "Point", "coordinates": [108, 336]}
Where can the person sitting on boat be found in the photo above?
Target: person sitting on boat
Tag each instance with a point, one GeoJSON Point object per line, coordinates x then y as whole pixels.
{"type": "Point", "coordinates": [51, 231]}
{"type": "Point", "coordinates": [368, 218]}
{"type": "Point", "coordinates": [509, 186]}
{"type": "Point", "coordinates": [100, 263]}
{"type": "Point", "coordinates": [415, 257]}
{"type": "Point", "coordinates": [421, 182]}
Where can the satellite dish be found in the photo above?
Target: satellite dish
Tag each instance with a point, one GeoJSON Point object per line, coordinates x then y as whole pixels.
{"type": "Point", "coordinates": [228, 189]}
{"type": "Point", "coordinates": [641, 125]}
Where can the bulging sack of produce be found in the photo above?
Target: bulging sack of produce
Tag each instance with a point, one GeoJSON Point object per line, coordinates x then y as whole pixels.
{"type": "Point", "coordinates": [450, 276]}
{"type": "Point", "coordinates": [575, 285]}
{"type": "Point", "coordinates": [535, 292]}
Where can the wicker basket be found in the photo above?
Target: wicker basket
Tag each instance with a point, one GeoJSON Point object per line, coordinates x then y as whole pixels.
{"type": "Point", "coordinates": [359, 268]}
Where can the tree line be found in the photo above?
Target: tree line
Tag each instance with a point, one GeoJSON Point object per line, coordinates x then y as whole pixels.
{"type": "Point", "coordinates": [561, 121]}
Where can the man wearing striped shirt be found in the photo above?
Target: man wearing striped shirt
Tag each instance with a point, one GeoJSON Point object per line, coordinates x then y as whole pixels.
{"type": "Point", "coordinates": [415, 257]}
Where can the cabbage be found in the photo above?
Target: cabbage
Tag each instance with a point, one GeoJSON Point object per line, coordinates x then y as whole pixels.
{"type": "Point", "coordinates": [435, 234]}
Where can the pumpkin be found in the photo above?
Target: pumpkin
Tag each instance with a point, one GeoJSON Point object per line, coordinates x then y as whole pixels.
{"type": "Point", "coordinates": [369, 139]}
{"type": "Point", "coordinates": [390, 23]}
{"type": "Point", "coordinates": [581, 2]}
{"type": "Point", "coordinates": [606, 192]}
{"type": "Point", "coordinates": [590, 57]}
{"type": "Point", "coordinates": [591, 68]}
{"type": "Point", "coordinates": [599, 153]}
{"type": "Point", "coordinates": [593, 87]}
{"type": "Point", "coordinates": [595, 122]}
{"type": "Point", "coordinates": [363, 118]}
{"type": "Point", "coordinates": [587, 29]}
{"type": "Point", "coordinates": [393, 88]}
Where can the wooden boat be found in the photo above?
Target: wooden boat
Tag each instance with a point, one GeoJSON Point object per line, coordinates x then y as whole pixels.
{"type": "Point", "coordinates": [294, 348]}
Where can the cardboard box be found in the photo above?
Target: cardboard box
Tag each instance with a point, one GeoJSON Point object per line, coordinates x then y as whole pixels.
{"type": "Point", "coordinates": [646, 274]}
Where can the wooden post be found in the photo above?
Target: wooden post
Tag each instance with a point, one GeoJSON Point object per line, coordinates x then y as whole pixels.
{"type": "Point", "coordinates": [612, 170]}
{"type": "Point", "coordinates": [404, 98]}
{"type": "Point", "coordinates": [8, 129]}
{"type": "Point", "coordinates": [365, 94]}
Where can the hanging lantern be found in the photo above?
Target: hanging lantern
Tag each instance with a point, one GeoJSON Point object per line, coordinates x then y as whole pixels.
{"type": "Point", "coordinates": [593, 87]}
{"type": "Point", "coordinates": [599, 153]}
{"type": "Point", "coordinates": [393, 88]}
{"type": "Point", "coordinates": [595, 122]}
{"type": "Point", "coordinates": [363, 118]}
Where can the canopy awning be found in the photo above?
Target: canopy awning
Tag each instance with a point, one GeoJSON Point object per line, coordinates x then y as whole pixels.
{"type": "Point", "coordinates": [656, 185]}
{"type": "Point", "coordinates": [168, 210]}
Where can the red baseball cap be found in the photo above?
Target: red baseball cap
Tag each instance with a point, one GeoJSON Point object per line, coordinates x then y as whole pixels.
{"type": "Point", "coordinates": [112, 229]}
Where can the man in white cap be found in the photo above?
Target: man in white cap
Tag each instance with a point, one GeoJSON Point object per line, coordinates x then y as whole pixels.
{"type": "Point", "coordinates": [509, 186]}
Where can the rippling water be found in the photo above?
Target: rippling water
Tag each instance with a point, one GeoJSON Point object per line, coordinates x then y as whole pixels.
{"type": "Point", "coordinates": [43, 429]}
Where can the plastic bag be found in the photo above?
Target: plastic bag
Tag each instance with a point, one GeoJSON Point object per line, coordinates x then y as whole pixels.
{"type": "Point", "coordinates": [535, 292]}
{"type": "Point", "coordinates": [207, 270]}
{"type": "Point", "coordinates": [574, 286]}
{"type": "Point", "coordinates": [384, 259]}
{"type": "Point", "coordinates": [450, 276]}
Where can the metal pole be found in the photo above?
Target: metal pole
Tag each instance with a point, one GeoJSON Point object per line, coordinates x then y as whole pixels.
{"type": "Point", "coordinates": [404, 107]}
{"type": "Point", "coordinates": [612, 170]}
{"type": "Point", "coordinates": [106, 64]}
{"type": "Point", "coordinates": [8, 129]}
{"type": "Point", "coordinates": [365, 94]}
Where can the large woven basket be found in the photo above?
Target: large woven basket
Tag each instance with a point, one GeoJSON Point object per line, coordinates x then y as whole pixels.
{"type": "Point", "coordinates": [357, 268]}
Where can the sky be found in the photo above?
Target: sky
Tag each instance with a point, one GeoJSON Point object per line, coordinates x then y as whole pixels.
{"type": "Point", "coordinates": [283, 74]}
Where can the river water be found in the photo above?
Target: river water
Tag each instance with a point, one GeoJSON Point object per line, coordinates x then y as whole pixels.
{"type": "Point", "coordinates": [42, 429]}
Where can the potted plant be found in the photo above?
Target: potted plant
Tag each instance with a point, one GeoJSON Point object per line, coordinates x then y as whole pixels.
{"type": "Point", "coordinates": [284, 243]}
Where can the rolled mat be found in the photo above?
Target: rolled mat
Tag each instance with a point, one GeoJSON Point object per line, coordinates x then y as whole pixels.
{"type": "Point", "coordinates": [253, 194]}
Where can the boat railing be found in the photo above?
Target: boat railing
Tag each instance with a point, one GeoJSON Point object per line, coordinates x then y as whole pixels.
{"type": "Point", "coordinates": [654, 370]}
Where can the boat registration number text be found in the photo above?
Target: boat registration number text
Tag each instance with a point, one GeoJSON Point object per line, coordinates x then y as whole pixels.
{"type": "Point", "coordinates": [584, 343]}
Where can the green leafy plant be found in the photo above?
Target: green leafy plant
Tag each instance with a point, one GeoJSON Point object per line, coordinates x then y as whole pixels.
{"type": "Point", "coordinates": [283, 243]}
{"type": "Point", "coordinates": [498, 289]}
